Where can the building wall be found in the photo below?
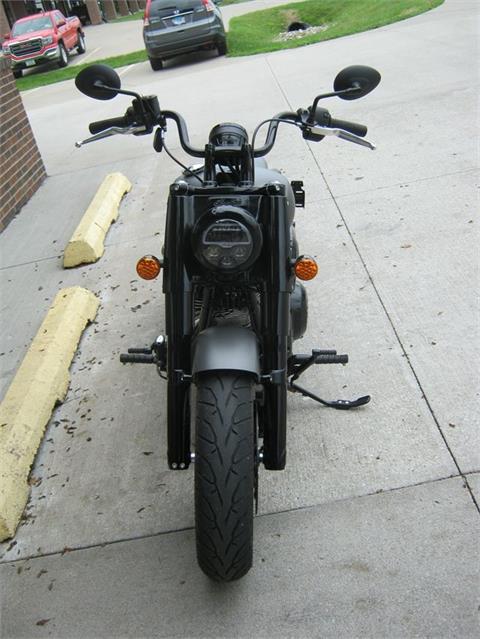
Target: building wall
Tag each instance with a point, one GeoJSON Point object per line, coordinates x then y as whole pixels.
{"type": "Point", "coordinates": [4, 24]}
{"type": "Point", "coordinates": [21, 166]}
{"type": "Point", "coordinates": [11, 10]}
{"type": "Point", "coordinates": [14, 9]}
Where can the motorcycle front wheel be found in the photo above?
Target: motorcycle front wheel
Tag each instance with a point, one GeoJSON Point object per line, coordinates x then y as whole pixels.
{"type": "Point", "coordinates": [224, 473]}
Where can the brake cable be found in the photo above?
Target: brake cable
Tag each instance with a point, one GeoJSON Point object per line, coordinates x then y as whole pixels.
{"type": "Point", "coordinates": [185, 168]}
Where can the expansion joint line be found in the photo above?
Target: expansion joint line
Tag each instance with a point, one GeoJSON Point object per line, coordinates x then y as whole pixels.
{"type": "Point", "coordinates": [265, 515]}
{"type": "Point", "coordinates": [382, 303]}
{"type": "Point", "coordinates": [397, 336]}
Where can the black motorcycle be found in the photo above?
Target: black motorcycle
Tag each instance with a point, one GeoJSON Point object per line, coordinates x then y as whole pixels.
{"type": "Point", "coordinates": [233, 305]}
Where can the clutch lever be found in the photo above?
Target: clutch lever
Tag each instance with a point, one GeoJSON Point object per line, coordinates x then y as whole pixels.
{"type": "Point", "coordinates": [114, 130]}
{"type": "Point", "coordinates": [318, 132]}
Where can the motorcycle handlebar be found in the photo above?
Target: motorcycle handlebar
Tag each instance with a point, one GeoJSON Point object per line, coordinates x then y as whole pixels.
{"type": "Point", "coordinates": [272, 132]}
{"type": "Point", "coordinates": [200, 153]}
{"type": "Point", "coordinates": [183, 134]}
{"type": "Point", "coordinates": [126, 121]}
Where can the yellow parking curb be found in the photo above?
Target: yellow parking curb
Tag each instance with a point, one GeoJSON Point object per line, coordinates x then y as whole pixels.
{"type": "Point", "coordinates": [41, 381]}
{"type": "Point", "coordinates": [86, 244]}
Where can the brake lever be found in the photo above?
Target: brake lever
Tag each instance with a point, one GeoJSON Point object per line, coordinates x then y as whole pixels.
{"type": "Point", "coordinates": [320, 131]}
{"type": "Point", "coordinates": [114, 130]}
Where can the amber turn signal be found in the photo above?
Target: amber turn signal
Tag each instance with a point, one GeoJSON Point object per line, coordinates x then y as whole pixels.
{"type": "Point", "coordinates": [148, 267]}
{"type": "Point", "coordinates": [305, 268]}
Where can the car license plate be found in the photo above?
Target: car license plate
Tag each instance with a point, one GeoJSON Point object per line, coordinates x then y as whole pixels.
{"type": "Point", "coordinates": [30, 63]}
{"type": "Point", "coordinates": [178, 20]}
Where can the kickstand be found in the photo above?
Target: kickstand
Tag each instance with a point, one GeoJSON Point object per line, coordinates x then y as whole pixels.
{"type": "Point", "coordinates": [298, 364]}
{"type": "Point", "coordinates": [339, 404]}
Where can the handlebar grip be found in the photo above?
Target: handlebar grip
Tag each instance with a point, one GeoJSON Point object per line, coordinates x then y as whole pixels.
{"type": "Point", "coordinates": [101, 125]}
{"type": "Point", "coordinates": [351, 127]}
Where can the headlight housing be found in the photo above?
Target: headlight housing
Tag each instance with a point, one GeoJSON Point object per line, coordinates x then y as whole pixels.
{"type": "Point", "coordinates": [47, 40]}
{"type": "Point", "coordinates": [227, 239]}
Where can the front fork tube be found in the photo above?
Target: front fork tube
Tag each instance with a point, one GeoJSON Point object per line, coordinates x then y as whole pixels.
{"type": "Point", "coordinates": [275, 329]}
{"type": "Point", "coordinates": [275, 407]}
{"type": "Point", "coordinates": [178, 409]}
{"type": "Point", "coordinates": [179, 327]}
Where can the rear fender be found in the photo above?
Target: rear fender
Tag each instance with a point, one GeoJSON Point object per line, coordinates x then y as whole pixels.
{"type": "Point", "coordinates": [228, 348]}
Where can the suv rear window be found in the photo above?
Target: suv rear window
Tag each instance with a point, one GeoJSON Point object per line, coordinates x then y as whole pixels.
{"type": "Point", "coordinates": [162, 8]}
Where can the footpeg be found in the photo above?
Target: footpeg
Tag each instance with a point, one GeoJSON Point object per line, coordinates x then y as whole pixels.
{"type": "Point", "coordinates": [155, 354]}
{"type": "Point", "coordinates": [298, 364]}
{"type": "Point", "coordinates": [331, 359]}
{"type": "Point", "coordinates": [138, 356]}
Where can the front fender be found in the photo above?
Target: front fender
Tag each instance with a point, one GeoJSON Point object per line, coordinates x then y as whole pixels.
{"type": "Point", "coordinates": [229, 348]}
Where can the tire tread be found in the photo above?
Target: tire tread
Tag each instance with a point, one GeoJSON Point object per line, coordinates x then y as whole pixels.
{"type": "Point", "coordinates": [224, 473]}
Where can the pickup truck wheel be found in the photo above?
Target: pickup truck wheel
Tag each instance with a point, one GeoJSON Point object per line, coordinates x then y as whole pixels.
{"type": "Point", "coordinates": [81, 47]}
{"type": "Point", "coordinates": [17, 73]}
{"type": "Point", "coordinates": [63, 61]}
{"type": "Point", "coordinates": [156, 64]}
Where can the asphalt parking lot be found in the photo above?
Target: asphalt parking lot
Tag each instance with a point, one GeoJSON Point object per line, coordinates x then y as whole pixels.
{"type": "Point", "coordinates": [372, 530]}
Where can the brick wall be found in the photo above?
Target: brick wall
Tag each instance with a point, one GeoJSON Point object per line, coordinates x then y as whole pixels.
{"type": "Point", "coordinates": [4, 26]}
{"type": "Point", "coordinates": [21, 166]}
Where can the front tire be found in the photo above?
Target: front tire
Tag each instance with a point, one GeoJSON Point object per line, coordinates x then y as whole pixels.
{"type": "Point", "coordinates": [17, 73]}
{"type": "Point", "coordinates": [63, 60]}
{"type": "Point", "coordinates": [224, 474]}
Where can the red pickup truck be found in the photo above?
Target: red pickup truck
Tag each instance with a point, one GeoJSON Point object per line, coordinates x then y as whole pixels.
{"type": "Point", "coordinates": [42, 38]}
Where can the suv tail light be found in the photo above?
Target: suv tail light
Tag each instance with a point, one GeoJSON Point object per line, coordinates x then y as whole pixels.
{"type": "Point", "coordinates": [208, 4]}
{"type": "Point", "coordinates": [146, 15]}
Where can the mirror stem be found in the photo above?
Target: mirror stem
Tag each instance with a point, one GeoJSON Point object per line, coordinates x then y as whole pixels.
{"type": "Point", "coordinates": [105, 87]}
{"type": "Point", "coordinates": [313, 108]}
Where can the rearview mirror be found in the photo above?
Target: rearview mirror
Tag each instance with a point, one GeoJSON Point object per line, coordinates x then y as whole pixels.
{"type": "Point", "coordinates": [363, 79]}
{"type": "Point", "coordinates": [98, 81]}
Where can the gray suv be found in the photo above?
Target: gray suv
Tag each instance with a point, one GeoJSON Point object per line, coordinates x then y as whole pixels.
{"type": "Point", "coordinates": [173, 27]}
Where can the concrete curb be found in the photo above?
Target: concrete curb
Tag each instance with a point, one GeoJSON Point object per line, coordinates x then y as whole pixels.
{"type": "Point", "coordinates": [41, 381]}
{"type": "Point", "coordinates": [86, 244]}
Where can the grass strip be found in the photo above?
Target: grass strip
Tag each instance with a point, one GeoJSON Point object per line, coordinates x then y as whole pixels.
{"type": "Point", "coordinates": [259, 31]}
{"type": "Point", "coordinates": [59, 75]}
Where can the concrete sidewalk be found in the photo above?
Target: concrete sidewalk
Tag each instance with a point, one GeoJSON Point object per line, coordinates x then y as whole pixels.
{"type": "Point", "coordinates": [372, 530]}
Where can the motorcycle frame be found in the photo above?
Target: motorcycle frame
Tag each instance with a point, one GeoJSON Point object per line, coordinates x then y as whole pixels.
{"type": "Point", "coordinates": [275, 326]}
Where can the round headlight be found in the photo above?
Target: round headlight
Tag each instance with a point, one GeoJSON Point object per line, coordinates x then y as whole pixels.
{"type": "Point", "coordinates": [227, 238]}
